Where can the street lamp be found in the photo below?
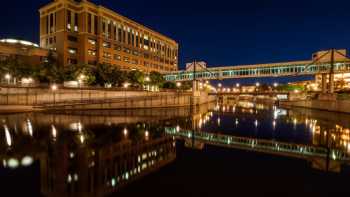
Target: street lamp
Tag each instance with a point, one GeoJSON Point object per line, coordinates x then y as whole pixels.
{"type": "Point", "coordinates": [237, 85]}
{"type": "Point", "coordinates": [8, 77]}
{"type": "Point", "coordinates": [275, 84]}
{"type": "Point", "coordinates": [178, 84]}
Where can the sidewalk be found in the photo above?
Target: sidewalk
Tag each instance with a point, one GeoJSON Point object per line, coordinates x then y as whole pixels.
{"type": "Point", "coordinates": [16, 109]}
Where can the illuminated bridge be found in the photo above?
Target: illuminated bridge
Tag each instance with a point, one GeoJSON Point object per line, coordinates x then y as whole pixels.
{"type": "Point", "coordinates": [320, 64]}
{"type": "Point", "coordinates": [308, 152]}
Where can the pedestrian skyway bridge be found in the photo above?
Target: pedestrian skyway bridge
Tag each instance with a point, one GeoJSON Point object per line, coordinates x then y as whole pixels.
{"type": "Point", "coordinates": [264, 70]}
{"type": "Point", "coordinates": [260, 145]}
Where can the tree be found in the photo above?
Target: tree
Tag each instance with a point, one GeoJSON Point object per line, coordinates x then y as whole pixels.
{"type": "Point", "coordinates": [50, 71]}
{"type": "Point", "coordinates": [169, 85]}
{"type": "Point", "coordinates": [106, 73]}
{"type": "Point", "coordinates": [156, 79]}
{"type": "Point", "coordinates": [74, 72]}
{"type": "Point", "coordinates": [136, 78]}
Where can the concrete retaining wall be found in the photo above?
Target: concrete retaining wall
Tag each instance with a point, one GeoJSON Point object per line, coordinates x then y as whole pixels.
{"type": "Point", "coordinates": [333, 106]}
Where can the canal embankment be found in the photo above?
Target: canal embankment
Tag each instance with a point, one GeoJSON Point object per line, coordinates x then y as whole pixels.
{"type": "Point", "coordinates": [14, 99]}
{"type": "Point", "coordinates": [342, 106]}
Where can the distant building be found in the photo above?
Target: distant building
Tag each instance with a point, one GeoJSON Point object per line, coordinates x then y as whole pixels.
{"type": "Point", "coordinates": [85, 33]}
{"type": "Point", "coordinates": [25, 52]}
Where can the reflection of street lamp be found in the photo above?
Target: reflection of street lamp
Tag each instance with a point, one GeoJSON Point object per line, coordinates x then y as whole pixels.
{"type": "Point", "coordinates": [257, 86]}
{"type": "Point", "coordinates": [54, 88]}
{"type": "Point", "coordinates": [125, 85]}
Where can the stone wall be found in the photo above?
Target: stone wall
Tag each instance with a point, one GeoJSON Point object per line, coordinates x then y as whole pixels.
{"type": "Point", "coordinates": [333, 106]}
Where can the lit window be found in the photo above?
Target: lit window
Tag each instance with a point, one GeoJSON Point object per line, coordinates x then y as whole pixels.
{"type": "Point", "coordinates": [92, 52]}
{"type": "Point", "coordinates": [107, 55]}
{"type": "Point", "coordinates": [106, 45]}
{"type": "Point", "coordinates": [126, 59]}
{"type": "Point", "coordinates": [72, 51]}
{"type": "Point", "coordinates": [117, 57]}
{"type": "Point", "coordinates": [92, 41]}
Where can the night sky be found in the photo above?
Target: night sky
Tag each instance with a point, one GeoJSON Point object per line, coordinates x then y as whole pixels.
{"type": "Point", "coordinates": [219, 32]}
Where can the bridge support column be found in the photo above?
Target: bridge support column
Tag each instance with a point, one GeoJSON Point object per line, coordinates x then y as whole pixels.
{"type": "Point", "coordinates": [324, 83]}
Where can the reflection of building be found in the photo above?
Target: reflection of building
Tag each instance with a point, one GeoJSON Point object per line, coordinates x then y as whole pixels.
{"type": "Point", "coordinates": [76, 160]}
{"type": "Point", "coordinates": [22, 51]}
{"type": "Point", "coordinates": [100, 171]}
{"type": "Point", "coordinates": [84, 33]}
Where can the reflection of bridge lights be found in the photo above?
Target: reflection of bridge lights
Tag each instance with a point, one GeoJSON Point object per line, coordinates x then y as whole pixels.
{"type": "Point", "coordinates": [54, 132]}
{"type": "Point", "coordinates": [76, 177]}
{"type": "Point", "coordinates": [82, 138]}
{"type": "Point", "coordinates": [27, 161]}
{"type": "Point", "coordinates": [69, 178]}
{"type": "Point", "coordinates": [274, 124]}
{"type": "Point", "coordinates": [113, 182]}
{"type": "Point", "coordinates": [236, 122]}
{"type": "Point", "coordinates": [177, 128]}
{"type": "Point", "coordinates": [71, 155]}
{"type": "Point", "coordinates": [125, 131]}
{"type": "Point", "coordinates": [76, 126]}
{"type": "Point", "coordinates": [4, 163]}
{"type": "Point", "coordinates": [256, 123]}
{"type": "Point", "coordinates": [12, 163]}
{"type": "Point", "coordinates": [219, 121]}
{"type": "Point", "coordinates": [29, 127]}
{"type": "Point", "coordinates": [8, 136]}
{"type": "Point", "coordinates": [295, 121]}
{"type": "Point", "coordinates": [146, 134]}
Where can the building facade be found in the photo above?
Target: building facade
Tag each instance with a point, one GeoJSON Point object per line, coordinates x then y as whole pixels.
{"type": "Point", "coordinates": [85, 33]}
{"type": "Point", "coordinates": [24, 52]}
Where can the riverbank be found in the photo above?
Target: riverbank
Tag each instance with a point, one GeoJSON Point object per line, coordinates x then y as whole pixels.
{"type": "Point", "coordinates": [342, 106]}
{"type": "Point", "coordinates": [21, 100]}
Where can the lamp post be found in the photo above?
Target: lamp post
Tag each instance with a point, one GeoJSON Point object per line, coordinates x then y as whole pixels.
{"type": "Point", "coordinates": [125, 85]}
{"type": "Point", "coordinates": [257, 85]}
{"type": "Point", "coordinates": [8, 78]}
{"type": "Point", "coordinates": [80, 81]}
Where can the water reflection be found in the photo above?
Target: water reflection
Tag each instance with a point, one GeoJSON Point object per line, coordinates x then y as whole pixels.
{"type": "Point", "coordinates": [95, 153]}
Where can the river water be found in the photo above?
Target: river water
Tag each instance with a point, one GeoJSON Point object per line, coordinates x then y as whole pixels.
{"type": "Point", "coordinates": [241, 148]}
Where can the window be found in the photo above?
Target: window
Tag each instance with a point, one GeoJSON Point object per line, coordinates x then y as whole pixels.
{"type": "Point", "coordinates": [107, 55]}
{"type": "Point", "coordinates": [126, 50]}
{"type": "Point", "coordinates": [117, 47]}
{"type": "Point", "coordinates": [126, 59]}
{"type": "Point", "coordinates": [92, 62]}
{"type": "Point", "coordinates": [69, 19]}
{"type": "Point", "coordinates": [92, 52]}
{"type": "Point", "coordinates": [89, 23]}
{"type": "Point", "coordinates": [95, 25]}
{"type": "Point", "coordinates": [92, 41]}
{"type": "Point", "coordinates": [117, 57]}
{"type": "Point", "coordinates": [72, 51]}
{"type": "Point", "coordinates": [72, 38]}
{"type": "Point", "coordinates": [72, 61]}
{"type": "Point", "coordinates": [135, 53]}
{"type": "Point", "coordinates": [134, 61]}
{"type": "Point", "coordinates": [76, 19]}
{"type": "Point", "coordinates": [106, 45]}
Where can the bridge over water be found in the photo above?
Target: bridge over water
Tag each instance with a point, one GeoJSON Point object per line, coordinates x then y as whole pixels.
{"type": "Point", "coordinates": [324, 62]}
{"type": "Point", "coordinates": [321, 157]}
